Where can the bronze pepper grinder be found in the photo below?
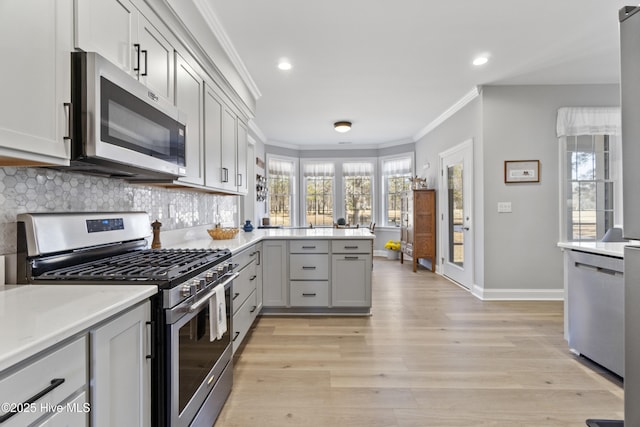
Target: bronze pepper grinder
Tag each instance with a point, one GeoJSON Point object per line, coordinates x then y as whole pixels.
{"type": "Point", "coordinates": [155, 243]}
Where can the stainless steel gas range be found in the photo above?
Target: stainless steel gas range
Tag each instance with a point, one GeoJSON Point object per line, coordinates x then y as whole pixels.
{"type": "Point", "coordinates": [191, 360]}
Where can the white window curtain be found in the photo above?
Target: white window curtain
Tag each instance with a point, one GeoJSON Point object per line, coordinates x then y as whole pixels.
{"type": "Point", "coordinates": [280, 167]}
{"type": "Point", "coordinates": [396, 167]}
{"type": "Point", "coordinates": [357, 169]}
{"type": "Point", "coordinates": [318, 169]}
{"type": "Point", "coordinates": [574, 121]}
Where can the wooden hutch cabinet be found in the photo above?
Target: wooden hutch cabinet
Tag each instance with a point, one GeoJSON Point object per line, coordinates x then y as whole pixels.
{"type": "Point", "coordinates": [418, 226]}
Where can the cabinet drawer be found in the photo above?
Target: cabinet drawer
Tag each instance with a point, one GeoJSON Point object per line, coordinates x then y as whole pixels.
{"type": "Point", "coordinates": [245, 257]}
{"type": "Point", "coordinates": [242, 320]}
{"type": "Point", "coordinates": [309, 294]}
{"type": "Point", "coordinates": [351, 246]}
{"type": "Point", "coordinates": [308, 267]}
{"type": "Point", "coordinates": [309, 246]}
{"type": "Point", "coordinates": [68, 363]}
{"type": "Point", "coordinates": [244, 284]}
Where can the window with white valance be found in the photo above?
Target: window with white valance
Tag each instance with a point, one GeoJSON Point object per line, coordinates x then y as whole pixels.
{"type": "Point", "coordinates": [281, 178]}
{"type": "Point", "coordinates": [358, 192]}
{"type": "Point", "coordinates": [396, 172]}
{"type": "Point", "coordinates": [319, 192]}
{"type": "Point", "coordinates": [591, 180]}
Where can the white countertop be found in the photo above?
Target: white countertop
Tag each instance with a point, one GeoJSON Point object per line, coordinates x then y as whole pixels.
{"type": "Point", "coordinates": [35, 317]}
{"type": "Point", "coordinates": [615, 249]}
{"type": "Point", "coordinates": [199, 239]}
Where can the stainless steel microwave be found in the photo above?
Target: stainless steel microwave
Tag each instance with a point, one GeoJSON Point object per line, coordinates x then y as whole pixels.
{"type": "Point", "coordinates": [119, 127]}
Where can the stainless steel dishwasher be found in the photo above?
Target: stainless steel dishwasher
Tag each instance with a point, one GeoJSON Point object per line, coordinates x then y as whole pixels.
{"type": "Point", "coordinates": [596, 308]}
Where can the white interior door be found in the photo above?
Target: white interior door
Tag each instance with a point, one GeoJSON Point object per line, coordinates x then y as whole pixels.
{"type": "Point", "coordinates": [456, 222]}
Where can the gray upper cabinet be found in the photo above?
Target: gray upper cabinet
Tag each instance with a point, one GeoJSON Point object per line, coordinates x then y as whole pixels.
{"type": "Point", "coordinates": [35, 82]}
{"type": "Point", "coordinates": [118, 31]}
{"type": "Point", "coordinates": [190, 100]}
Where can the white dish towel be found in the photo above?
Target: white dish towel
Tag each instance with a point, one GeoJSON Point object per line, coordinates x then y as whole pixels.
{"type": "Point", "coordinates": [217, 314]}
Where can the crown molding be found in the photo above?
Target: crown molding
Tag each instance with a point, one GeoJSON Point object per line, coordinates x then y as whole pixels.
{"type": "Point", "coordinates": [216, 27]}
{"type": "Point", "coordinates": [257, 132]}
{"type": "Point", "coordinates": [461, 103]}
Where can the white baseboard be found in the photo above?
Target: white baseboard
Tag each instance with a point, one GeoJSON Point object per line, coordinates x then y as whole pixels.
{"type": "Point", "coordinates": [518, 294]}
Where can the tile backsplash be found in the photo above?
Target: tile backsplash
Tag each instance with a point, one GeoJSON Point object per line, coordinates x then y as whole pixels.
{"type": "Point", "coordinates": [48, 190]}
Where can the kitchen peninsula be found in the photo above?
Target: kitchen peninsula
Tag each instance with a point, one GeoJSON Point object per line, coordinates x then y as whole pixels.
{"type": "Point", "coordinates": [301, 270]}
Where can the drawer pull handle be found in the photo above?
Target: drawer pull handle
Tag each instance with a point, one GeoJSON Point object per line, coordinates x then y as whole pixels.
{"type": "Point", "coordinates": [308, 267]}
{"type": "Point", "coordinates": [235, 336]}
{"type": "Point", "coordinates": [308, 247]}
{"type": "Point", "coordinates": [253, 309]}
{"type": "Point", "coordinates": [309, 295]}
{"type": "Point", "coordinates": [253, 278]}
{"type": "Point", "coordinates": [351, 247]}
{"type": "Point", "coordinates": [351, 258]}
{"type": "Point", "coordinates": [54, 383]}
{"type": "Point", "coordinates": [235, 295]}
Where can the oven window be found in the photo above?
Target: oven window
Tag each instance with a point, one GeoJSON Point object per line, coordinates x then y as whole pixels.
{"type": "Point", "coordinates": [197, 354]}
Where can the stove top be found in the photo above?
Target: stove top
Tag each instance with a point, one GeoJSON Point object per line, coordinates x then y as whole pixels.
{"type": "Point", "coordinates": [150, 265]}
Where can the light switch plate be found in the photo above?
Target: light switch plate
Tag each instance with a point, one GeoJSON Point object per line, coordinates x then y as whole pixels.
{"type": "Point", "coordinates": [504, 207]}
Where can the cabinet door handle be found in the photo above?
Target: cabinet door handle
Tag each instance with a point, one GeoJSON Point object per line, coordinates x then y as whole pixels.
{"type": "Point", "coordinates": [259, 258]}
{"type": "Point", "coordinates": [137, 67]}
{"type": "Point", "coordinates": [308, 267]}
{"type": "Point", "coordinates": [69, 110]}
{"type": "Point", "coordinates": [146, 67]}
{"type": "Point", "coordinates": [56, 382]}
{"type": "Point", "coordinates": [151, 326]}
{"type": "Point", "coordinates": [235, 336]}
{"type": "Point", "coordinates": [253, 309]}
{"type": "Point", "coordinates": [236, 295]}
{"type": "Point", "coordinates": [225, 175]}
{"type": "Point", "coordinates": [253, 278]}
{"type": "Point", "coordinates": [239, 180]}
{"type": "Point", "coordinates": [309, 295]}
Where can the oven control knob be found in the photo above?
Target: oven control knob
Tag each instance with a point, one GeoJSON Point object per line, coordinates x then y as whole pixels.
{"type": "Point", "coordinates": [185, 291]}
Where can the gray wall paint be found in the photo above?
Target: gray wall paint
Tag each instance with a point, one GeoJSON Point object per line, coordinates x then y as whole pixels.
{"type": "Point", "coordinates": [514, 250]}
{"type": "Point", "coordinates": [464, 125]}
{"type": "Point", "coordinates": [519, 123]}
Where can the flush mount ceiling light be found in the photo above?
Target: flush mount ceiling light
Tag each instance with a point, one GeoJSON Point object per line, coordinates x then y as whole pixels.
{"type": "Point", "coordinates": [480, 60]}
{"type": "Point", "coordinates": [284, 64]}
{"type": "Point", "coordinates": [342, 127]}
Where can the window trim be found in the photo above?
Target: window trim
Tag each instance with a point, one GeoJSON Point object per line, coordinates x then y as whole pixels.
{"type": "Point", "coordinates": [564, 179]}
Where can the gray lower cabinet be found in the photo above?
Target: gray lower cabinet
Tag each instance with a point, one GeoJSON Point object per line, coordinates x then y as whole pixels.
{"type": "Point", "coordinates": [68, 363]}
{"type": "Point", "coordinates": [595, 305]}
{"type": "Point", "coordinates": [351, 280]}
{"type": "Point", "coordinates": [121, 371]}
{"type": "Point", "coordinates": [351, 265]}
{"type": "Point", "coordinates": [274, 273]}
{"type": "Point", "coordinates": [245, 293]}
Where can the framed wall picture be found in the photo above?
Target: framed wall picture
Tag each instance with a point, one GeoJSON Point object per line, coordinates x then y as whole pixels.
{"type": "Point", "coordinates": [521, 171]}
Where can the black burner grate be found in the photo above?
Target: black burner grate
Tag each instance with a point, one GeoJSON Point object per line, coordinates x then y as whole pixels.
{"type": "Point", "coordinates": [149, 265]}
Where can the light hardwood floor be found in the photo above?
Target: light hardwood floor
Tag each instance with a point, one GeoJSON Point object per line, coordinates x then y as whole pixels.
{"type": "Point", "coordinates": [430, 355]}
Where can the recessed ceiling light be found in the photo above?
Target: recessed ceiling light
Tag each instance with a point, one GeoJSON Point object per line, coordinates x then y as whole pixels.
{"type": "Point", "coordinates": [480, 60]}
{"type": "Point", "coordinates": [284, 64]}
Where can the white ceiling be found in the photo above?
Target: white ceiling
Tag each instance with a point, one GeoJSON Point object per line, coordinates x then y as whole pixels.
{"type": "Point", "coordinates": [393, 67]}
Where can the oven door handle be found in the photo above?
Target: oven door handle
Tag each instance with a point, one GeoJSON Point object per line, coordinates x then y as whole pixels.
{"type": "Point", "coordinates": [205, 299]}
